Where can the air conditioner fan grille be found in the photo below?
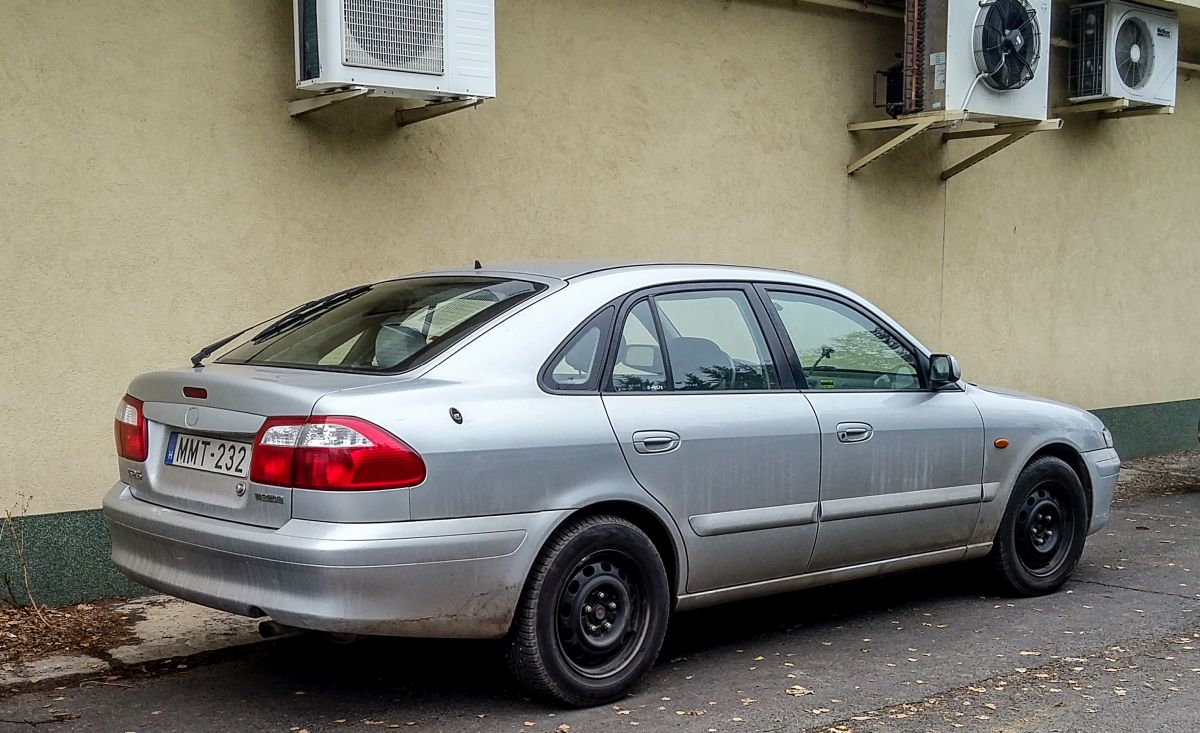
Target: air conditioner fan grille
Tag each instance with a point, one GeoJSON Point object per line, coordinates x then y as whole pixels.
{"type": "Point", "coordinates": [394, 35]}
{"type": "Point", "coordinates": [1134, 49]}
{"type": "Point", "coordinates": [1007, 43]}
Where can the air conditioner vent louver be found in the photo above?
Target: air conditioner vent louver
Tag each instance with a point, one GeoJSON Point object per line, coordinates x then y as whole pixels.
{"type": "Point", "coordinates": [1134, 53]}
{"type": "Point", "coordinates": [394, 35]}
{"type": "Point", "coordinates": [1007, 43]}
{"type": "Point", "coordinates": [309, 49]}
{"type": "Point", "coordinates": [1086, 77]}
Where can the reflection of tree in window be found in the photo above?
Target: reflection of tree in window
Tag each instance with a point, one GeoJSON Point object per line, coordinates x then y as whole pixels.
{"type": "Point", "coordinates": [742, 376]}
{"type": "Point", "coordinates": [867, 351]}
{"type": "Point", "coordinates": [634, 383]}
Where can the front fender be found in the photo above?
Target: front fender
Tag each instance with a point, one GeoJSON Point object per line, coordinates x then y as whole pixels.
{"type": "Point", "coordinates": [1030, 425]}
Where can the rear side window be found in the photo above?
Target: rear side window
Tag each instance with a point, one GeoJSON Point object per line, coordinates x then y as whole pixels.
{"type": "Point", "coordinates": [577, 365]}
{"type": "Point", "coordinates": [390, 327]}
{"type": "Point", "coordinates": [639, 366]}
{"type": "Point", "coordinates": [714, 342]}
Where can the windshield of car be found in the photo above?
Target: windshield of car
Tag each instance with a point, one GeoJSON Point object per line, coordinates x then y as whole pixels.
{"type": "Point", "coordinates": [392, 326]}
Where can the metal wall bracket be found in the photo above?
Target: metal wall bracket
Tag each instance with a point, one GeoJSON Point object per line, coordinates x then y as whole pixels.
{"type": "Point", "coordinates": [914, 125]}
{"type": "Point", "coordinates": [1009, 134]}
{"type": "Point", "coordinates": [413, 115]}
{"type": "Point", "coordinates": [409, 116]}
{"type": "Point", "coordinates": [301, 107]}
{"type": "Point", "coordinates": [1112, 109]}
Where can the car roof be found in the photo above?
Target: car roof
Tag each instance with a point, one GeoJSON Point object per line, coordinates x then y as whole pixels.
{"type": "Point", "coordinates": [644, 274]}
{"type": "Point", "coordinates": [571, 269]}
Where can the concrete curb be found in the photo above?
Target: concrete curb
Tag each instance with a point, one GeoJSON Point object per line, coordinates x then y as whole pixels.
{"type": "Point", "coordinates": [170, 628]}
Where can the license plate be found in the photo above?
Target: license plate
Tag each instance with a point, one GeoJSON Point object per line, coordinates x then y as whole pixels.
{"type": "Point", "coordinates": [208, 454]}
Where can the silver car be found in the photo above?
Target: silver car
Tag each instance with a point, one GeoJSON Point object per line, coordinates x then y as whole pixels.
{"type": "Point", "coordinates": [562, 455]}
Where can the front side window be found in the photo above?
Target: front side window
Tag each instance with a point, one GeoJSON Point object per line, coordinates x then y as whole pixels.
{"type": "Point", "coordinates": [839, 348]}
{"type": "Point", "coordinates": [387, 327]}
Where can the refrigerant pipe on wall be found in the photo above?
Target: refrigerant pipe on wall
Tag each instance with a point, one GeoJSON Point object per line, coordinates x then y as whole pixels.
{"type": "Point", "coordinates": [861, 6]}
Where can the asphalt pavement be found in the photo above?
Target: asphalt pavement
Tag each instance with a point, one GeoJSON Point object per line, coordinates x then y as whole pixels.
{"type": "Point", "coordinates": [1116, 650]}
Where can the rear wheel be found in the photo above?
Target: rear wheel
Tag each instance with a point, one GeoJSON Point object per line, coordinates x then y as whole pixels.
{"type": "Point", "coordinates": [1043, 531]}
{"type": "Point", "coordinates": [593, 613]}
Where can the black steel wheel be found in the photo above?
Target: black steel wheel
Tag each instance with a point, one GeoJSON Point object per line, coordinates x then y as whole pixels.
{"type": "Point", "coordinates": [1043, 530]}
{"type": "Point", "coordinates": [593, 613]}
{"type": "Point", "coordinates": [602, 615]}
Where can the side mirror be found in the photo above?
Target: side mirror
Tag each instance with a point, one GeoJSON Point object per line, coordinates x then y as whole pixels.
{"type": "Point", "coordinates": [943, 371]}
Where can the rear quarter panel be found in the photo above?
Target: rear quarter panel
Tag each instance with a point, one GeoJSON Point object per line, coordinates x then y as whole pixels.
{"type": "Point", "coordinates": [518, 449]}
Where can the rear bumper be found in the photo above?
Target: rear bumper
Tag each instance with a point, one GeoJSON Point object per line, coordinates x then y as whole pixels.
{"type": "Point", "coordinates": [1104, 467]}
{"type": "Point", "coordinates": [441, 578]}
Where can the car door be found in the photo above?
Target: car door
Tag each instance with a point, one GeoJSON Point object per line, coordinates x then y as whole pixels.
{"type": "Point", "coordinates": [901, 465]}
{"type": "Point", "coordinates": [695, 394]}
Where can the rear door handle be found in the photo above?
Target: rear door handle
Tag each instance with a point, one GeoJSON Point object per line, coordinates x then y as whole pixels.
{"type": "Point", "coordinates": [854, 432]}
{"type": "Point", "coordinates": [655, 441]}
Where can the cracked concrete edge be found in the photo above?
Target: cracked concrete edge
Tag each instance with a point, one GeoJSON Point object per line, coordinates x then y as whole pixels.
{"type": "Point", "coordinates": [167, 628]}
{"type": "Point", "coordinates": [50, 668]}
{"type": "Point", "coordinates": [170, 627]}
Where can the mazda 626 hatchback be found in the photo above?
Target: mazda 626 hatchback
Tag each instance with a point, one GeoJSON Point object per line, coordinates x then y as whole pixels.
{"type": "Point", "coordinates": [563, 455]}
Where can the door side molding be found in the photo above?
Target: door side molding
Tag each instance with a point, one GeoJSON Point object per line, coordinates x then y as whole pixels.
{"type": "Point", "coordinates": [749, 520]}
{"type": "Point", "coordinates": [908, 501]}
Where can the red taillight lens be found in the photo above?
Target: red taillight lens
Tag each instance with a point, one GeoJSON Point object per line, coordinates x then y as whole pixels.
{"type": "Point", "coordinates": [272, 459]}
{"type": "Point", "coordinates": [333, 453]}
{"type": "Point", "coordinates": [130, 430]}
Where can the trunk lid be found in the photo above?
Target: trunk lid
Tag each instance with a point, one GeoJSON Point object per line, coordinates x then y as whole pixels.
{"type": "Point", "coordinates": [219, 429]}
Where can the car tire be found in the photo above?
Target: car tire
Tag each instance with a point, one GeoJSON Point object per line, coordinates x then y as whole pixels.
{"type": "Point", "coordinates": [593, 613]}
{"type": "Point", "coordinates": [1043, 531]}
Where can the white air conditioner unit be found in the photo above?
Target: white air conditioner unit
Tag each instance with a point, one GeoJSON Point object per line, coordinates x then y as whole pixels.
{"type": "Point", "coordinates": [433, 50]}
{"type": "Point", "coordinates": [1123, 51]}
{"type": "Point", "coordinates": [988, 57]}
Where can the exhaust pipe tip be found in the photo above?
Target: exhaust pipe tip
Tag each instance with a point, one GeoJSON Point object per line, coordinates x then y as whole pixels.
{"type": "Point", "coordinates": [271, 629]}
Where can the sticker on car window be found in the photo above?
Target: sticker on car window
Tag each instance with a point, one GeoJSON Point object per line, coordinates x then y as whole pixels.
{"type": "Point", "coordinates": [826, 383]}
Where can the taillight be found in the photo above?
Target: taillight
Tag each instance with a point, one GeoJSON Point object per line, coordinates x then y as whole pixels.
{"type": "Point", "coordinates": [130, 430]}
{"type": "Point", "coordinates": [332, 453]}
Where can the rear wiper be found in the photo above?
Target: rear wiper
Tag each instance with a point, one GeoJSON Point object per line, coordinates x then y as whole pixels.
{"type": "Point", "coordinates": [199, 357]}
{"type": "Point", "coordinates": [308, 310]}
{"type": "Point", "coordinates": [282, 323]}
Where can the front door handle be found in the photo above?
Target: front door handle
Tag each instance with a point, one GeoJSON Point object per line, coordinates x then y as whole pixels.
{"type": "Point", "coordinates": [854, 432]}
{"type": "Point", "coordinates": [655, 441]}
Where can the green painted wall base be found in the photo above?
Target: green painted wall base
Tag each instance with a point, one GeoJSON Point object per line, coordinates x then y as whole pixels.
{"type": "Point", "coordinates": [67, 556]}
{"type": "Point", "coordinates": [68, 553]}
{"type": "Point", "coordinates": [1151, 430]}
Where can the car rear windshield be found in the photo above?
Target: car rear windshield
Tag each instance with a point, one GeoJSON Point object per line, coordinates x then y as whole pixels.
{"type": "Point", "coordinates": [389, 327]}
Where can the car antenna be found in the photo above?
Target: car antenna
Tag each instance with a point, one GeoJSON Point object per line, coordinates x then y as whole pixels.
{"type": "Point", "coordinates": [478, 266]}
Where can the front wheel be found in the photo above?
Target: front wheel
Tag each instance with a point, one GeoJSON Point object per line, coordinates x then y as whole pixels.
{"type": "Point", "coordinates": [1043, 531]}
{"type": "Point", "coordinates": [593, 613]}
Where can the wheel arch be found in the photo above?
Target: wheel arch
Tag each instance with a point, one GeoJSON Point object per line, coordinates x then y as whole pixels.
{"type": "Point", "coordinates": [1070, 455]}
{"type": "Point", "coordinates": [655, 527]}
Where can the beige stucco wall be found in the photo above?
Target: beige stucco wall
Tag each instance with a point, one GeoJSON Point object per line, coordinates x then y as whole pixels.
{"type": "Point", "coordinates": [155, 196]}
